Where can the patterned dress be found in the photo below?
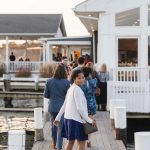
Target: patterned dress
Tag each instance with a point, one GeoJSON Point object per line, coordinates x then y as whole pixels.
{"type": "Point", "coordinates": [89, 90]}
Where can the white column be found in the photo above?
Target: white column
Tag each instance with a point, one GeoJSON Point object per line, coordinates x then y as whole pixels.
{"type": "Point", "coordinates": [45, 109]}
{"type": "Point", "coordinates": [16, 140]}
{"type": "Point", "coordinates": [142, 140]}
{"type": "Point", "coordinates": [48, 52]}
{"type": "Point", "coordinates": [68, 53]}
{"type": "Point", "coordinates": [143, 46]}
{"type": "Point", "coordinates": [106, 40]}
{"type": "Point", "coordinates": [93, 38]}
{"type": "Point", "coordinates": [7, 55]}
{"type": "Point", "coordinates": [38, 124]}
{"type": "Point", "coordinates": [63, 51]}
{"type": "Point", "coordinates": [44, 49]}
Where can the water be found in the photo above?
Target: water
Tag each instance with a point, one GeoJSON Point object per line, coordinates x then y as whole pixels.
{"type": "Point", "coordinates": [18, 121]}
{"type": "Point", "coordinates": [130, 146]}
{"type": "Point", "coordinates": [136, 125]}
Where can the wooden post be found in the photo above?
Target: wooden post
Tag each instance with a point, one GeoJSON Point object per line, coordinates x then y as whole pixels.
{"type": "Point", "coordinates": [36, 80]}
{"type": "Point", "coordinates": [38, 123]}
{"type": "Point", "coordinates": [142, 140]}
{"type": "Point", "coordinates": [45, 109]}
{"type": "Point", "coordinates": [120, 123]}
{"type": "Point", "coordinates": [16, 140]}
{"type": "Point", "coordinates": [115, 103]}
{"type": "Point", "coordinates": [7, 81]}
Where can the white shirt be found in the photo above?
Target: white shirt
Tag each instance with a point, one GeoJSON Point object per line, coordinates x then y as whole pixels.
{"type": "Point", "coordinates": [75, 106]}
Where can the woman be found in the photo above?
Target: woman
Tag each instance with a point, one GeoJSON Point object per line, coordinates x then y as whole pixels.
{"type": "Point", "coordinates": [55, 90]}
{"type": "Point", "coordinates": [88, 88]}
{"type": "Point", "coordinates": [103, 77]}
{"type": "Point", "coordinates": [94, 73]}
{"type": "Point", "coordinates": [75, 109]}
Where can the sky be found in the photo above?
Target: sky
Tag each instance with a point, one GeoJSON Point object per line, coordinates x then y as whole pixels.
{"type": "Point", "coordinates": [73, 25]}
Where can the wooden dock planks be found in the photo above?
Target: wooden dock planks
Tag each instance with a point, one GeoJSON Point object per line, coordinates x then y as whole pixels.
{"type": "Point", "coordinates": [102, 140]}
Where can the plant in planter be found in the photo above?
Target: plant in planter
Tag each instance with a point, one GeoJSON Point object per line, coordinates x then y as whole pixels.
{"type": "Point", "coordinates": [2, 69]}
{"type": "Point", "coordinates": [23, 72]}
{"type": "Point", "coordinates": [47, 70]}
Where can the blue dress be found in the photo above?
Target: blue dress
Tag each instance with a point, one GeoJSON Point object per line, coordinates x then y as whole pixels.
{"type": "Point", "coordinates": [89, 90]}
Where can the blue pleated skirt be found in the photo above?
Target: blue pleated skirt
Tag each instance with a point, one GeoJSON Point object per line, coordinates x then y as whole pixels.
{"type": "Point", "coordinates": [73, 130]}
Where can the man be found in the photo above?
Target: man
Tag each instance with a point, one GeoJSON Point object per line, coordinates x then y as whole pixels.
{"type": "Point", "coordinates": [64, 63]}
{"type": "Point", "coordinates": [81, 63]}
{"type": "Point", "coordinates": [12, 57]}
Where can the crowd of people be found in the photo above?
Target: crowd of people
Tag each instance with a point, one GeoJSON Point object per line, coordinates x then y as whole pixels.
{"type": "Point", "coordinates": [72, 101]}
{"type": "Point", "coordinates": [12, 57]}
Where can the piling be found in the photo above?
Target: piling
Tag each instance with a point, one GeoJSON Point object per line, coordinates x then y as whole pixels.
{"type": "Point", "coordinates": [38, 123]}
{"type": "Point", "coordinates": [142, 140]}
{"type": "Point", "coordinates": [7, 81]}
{"type": "Point", "coordinates": [16, 140]}
{"type": "Point", "coordinates": [115, 103]}
{"type": "Point", "coordinates": [45, 109]}
{"type": "Point", "coordinates": [120, 119]}
{"type": "Point", "coordinates": [36, 80]}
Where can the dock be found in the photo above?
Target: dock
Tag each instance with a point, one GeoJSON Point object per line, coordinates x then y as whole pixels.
{"type": "Point", "coordinates": [104, 139]}
{"type": "Point", "coordinates": [22, 95]}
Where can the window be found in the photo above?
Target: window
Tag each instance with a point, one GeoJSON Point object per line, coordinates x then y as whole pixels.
{"type": "Point", "coordinates": [127, 52]}
{"type": "Point", "coordinates": [128, 18]}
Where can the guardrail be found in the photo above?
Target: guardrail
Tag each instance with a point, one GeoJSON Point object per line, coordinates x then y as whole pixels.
{"type": "Point", "coordinates": [136, 94]}
{"type": "Point", "coordinates": [134, 74]}
{"type": "Point", "coordinates": [32, 66]}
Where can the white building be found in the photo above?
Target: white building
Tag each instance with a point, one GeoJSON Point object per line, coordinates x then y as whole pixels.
{"type": "Point", "coordinates": [121, 32]}
{"type": "Point", "coordinates": [118, 22]}
{"type": "Point", "coordinates": [19, 33]}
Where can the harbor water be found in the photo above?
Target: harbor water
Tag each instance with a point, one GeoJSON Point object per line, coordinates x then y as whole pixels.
{"type": "Point", "coordinates": [18, 121]}
{"type": "Point", "coordinates": [25, 121]}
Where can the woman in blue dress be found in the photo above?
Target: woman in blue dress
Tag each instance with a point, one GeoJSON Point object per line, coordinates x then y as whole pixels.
{"type": "Point", "coordinates": [88, 88]}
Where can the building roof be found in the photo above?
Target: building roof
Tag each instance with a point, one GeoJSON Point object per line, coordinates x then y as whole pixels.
{"type": "Point", "coordinates": [89, 10]}
{"type": "Point", "coordinates": [34, 24]}
{"type": "Point", "coordinates": [85, 40]}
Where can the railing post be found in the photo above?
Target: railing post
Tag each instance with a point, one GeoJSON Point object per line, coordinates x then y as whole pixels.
{"type": "Point", "coordinates": [45, 109]}
{"type": "Point", "coordinates": [36, 80]}
{"type": "Point", "coordinates": [7, 81]}
{"type": "Point", "coordinates": [38, 123]}
{"type": "Point", "coordinates": [142, 140]}
{"type": "Point", "coordinates": [115, 103]}
{"type": "Point", "coordinates": [16, 140]}
{"type": "Point", "coordinates": [120, 123]}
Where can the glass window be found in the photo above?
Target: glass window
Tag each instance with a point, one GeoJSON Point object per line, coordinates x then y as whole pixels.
{"type": "Point", "coordinates": [128, 18]}
{"type": "Point", "coordinates": [127, 52]}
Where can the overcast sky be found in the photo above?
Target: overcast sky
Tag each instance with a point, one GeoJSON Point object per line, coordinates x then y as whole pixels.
{"type": "Point", "coordinates": [73, 25]}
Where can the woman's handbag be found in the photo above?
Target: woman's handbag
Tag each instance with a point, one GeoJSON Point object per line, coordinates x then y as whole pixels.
{"type": "Point", "coordinates": [89, 128]}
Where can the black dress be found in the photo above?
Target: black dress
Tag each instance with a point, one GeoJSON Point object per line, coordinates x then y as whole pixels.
{"type": "Point", "coordinates": [102, 99]}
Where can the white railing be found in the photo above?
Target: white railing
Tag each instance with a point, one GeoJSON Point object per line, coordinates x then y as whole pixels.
{"type": "Point", "coordinates": [32, 66]}
{"type": "Point", "coordinates": [136, 94]}
{"type": "Point", "coordinates": [133, 74]}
